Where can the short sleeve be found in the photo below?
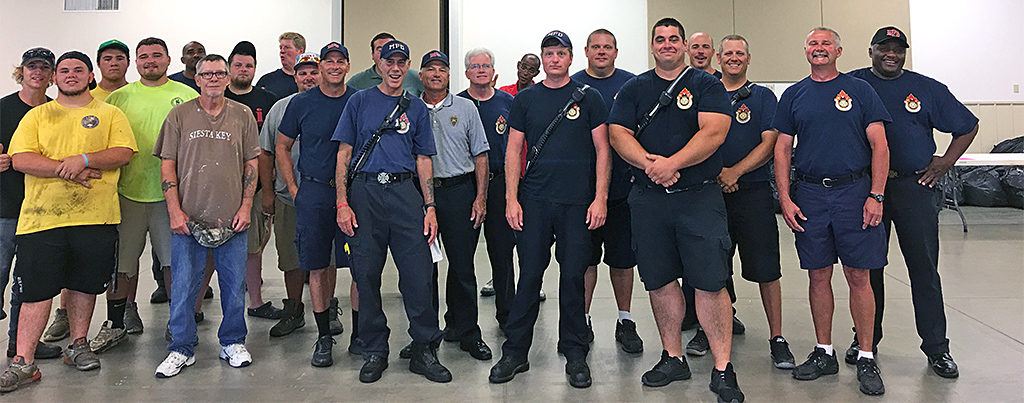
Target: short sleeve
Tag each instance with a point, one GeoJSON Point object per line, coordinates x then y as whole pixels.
{"type": "Point", "coordinates": [874, 110]}
{"type": "Point", "coordinates": [345, 131]}
{"type": "Point", "coordinates": [26, 136]}
{"type": "Point", "coordinates": [423, 139]}
{"type": "Point", "coordinates": [768, 105]}
{"type": "Point", "coordinates": [623, 110]}
{"type": "Point", "coordinates": [598, 109]}
{"type": "Point", "coordinates": [289, 125]}
{"type": "Point", "coordinates": [121, 132]}
{"type": "Point", "coordinates": [517, 114]}
{"type": "Point", "coordinates": [713, 97]}
{"type": "Point", "coordinates": [166, 146]}
{"type": "Point", "coordinates": [251, 138]}
{"type": "Point", "coordinates": [477, 137]}
{"type": "Point", "coordinates": [951, 116]}
{"type": "Point", "coordinates": [783, 119]}
{"type": "Point", "coordinates": [268, 134]}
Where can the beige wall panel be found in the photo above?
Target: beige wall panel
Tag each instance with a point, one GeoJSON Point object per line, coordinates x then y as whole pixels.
{"type": "Point", "coordinates": [776, 31]}
{"type": "Point", "coordinates": [857, 21]}
{"type": "Point", "coordinates": [713, 17]}
{"type": "Point", "coordinates": [417, 23]}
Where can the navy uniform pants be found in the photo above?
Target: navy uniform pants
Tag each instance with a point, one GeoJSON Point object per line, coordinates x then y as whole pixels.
{"type": "Point", "coordinates": [913, 210]}
{"type": "Point", "coordinates": [459, 238]}
{"type": "Point", "coordinates": [391, 216]}
{"type": "Point", "coordinates": [500, 243]}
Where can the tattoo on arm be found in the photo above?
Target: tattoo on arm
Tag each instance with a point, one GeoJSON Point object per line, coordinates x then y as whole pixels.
{"type": "Point", "coordinates": [249, 181]}
{"type": "Point", "coordinates": [167, 185]}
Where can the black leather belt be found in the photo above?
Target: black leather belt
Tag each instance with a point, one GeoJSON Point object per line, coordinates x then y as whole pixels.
{"type": "Point", "coordinates": [317, 180]}
{"type": "Point", "coordinates": [384, 178]}
{"type": "Point", "coordinates": [677, 188]}
{"type": "Point", "coordinates": [455, 180]}
{"type": "Point", "coordinates": [831, 181]}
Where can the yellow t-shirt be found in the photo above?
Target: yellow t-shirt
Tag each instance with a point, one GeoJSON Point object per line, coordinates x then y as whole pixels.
{"type": "Point", "coordinates": [100, 93]}
{"type": "Point", "coordinates": [55, 131]}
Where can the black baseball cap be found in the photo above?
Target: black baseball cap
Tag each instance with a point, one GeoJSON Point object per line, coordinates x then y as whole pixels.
{"type": "Point", "coordinates": [42, 54]}
{"type": "Point", "coordinates": [434, 55]}
{"type": "Point", "coordinates": [392, 47]}
{"type": "Point", "coordinates": [74, 54]}
{"type": "Point", "coordinates": [890, 33]}
{"type": "Point", "coordinates": [555, 38]}
{"type": "Point", "coordinates": [112, 44]}
{"type": "Point", "coordinates": [244, 48]}
{"type": "Point", "coordinates": [333, 47]}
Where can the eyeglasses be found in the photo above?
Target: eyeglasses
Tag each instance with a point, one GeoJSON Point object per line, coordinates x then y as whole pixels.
{"type": "Point", "coordinates": [479, 66]}
{"type": "Point", "coordinates": [206, 75]}
{"type": "Point", "coordinates": [38, 53]}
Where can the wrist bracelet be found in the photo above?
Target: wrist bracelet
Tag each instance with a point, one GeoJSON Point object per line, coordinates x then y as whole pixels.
{"type": "Point", "coordinates": [429, 205]}
{"type": "Point", "coordinates": [86, 159]}
{"type": "Point", "coordinates": [342, 204]}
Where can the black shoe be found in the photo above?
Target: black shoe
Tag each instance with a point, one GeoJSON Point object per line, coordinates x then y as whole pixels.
{"type": "Point", "coordinates": [406, 352]}
{"type": "Point", "coordinates": [333, 313]}
{"type": "Point", "coordinates": [293, 318]}
{"type": "Point", "coordinates": [507, 368]}
{"type": "Point", "coordinates": [942, 364]}
{"type": "Point", "coordinates": [373, 367]}
{"type": "Point", "coordinates": [666, 371]}
{"type": "Point", "coordinates": [723, 384]}
{"type": "Point", "coordinates": [159, 296]}
{"type": "Point", "coordinates": [578, 373]}
{"type": "Point", "coordinates": [625, 335]}
{"type": "Point", "coordinates": [355, 345]}
{"type": "Point", "coordinates": [265, 311]}
{"type": "Point", "coordinates": [588, 337]}
{"type": "Point", "coordinates": [424, 362]}
{"type": "Point", "coordinates": [737, 326]}
{"type": "Point", "coordinates": [699, 345]}
{"type": "Point", "coordinates": [853, 351]}
{"type": "Point", "coordinates": [476, 349]}
{"type": "Point", "coordinates": [43, 351]}
{"type": "Point", "coordinates": [869, 377]}
{"type": "Point", "coordinates": [200, 317]}
{"type": "Point", "coordinates": [209, 293]}
{"type": "Point", "coordinates": [782, 358]}
{"type": "Point", "coordinates": [323, 355]}
{"type": "Point", "coordinates": [488, 289]}
{"type": "Point", "coordinates": [818, 363]}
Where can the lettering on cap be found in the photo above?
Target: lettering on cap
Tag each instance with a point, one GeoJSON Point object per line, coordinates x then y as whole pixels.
{"type": "Point", "coordinates": [895, 33]}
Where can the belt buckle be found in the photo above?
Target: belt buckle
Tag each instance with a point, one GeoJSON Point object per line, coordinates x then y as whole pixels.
{"type": "Point", "coordinates": [671, 191]}
{"type": "Point", "coordinates": [827, 182]}
{"type": "Point", "coordinates": [435, 182]}
{"type": "Point", "coordinates": [893, 174]}
{"type": "Point", "coordinates": [383, 178]}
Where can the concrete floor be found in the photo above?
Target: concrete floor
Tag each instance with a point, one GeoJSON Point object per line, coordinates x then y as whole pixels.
{"type": "Point", "coordinates": [983, 278]}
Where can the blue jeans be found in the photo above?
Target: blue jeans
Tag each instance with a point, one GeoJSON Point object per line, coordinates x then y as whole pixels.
{"type": "Point", "coordinates": [188, 260]}
{"type": "Point", "coordinates": [8, 226]}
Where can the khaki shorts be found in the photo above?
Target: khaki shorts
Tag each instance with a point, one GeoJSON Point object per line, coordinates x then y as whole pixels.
{"type": "Point", "coordinates": [138, 218]}
{"type": "Point", "coordinates": [258, 234]}
{"type": "Point", "coordinates": [284, 236]}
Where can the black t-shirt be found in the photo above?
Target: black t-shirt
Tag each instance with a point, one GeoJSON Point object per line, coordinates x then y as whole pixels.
{"type": "Point", "coordinates": [259, 102]}
{"type": "Point", "coordinates": [494, 115]}
{"type": "Point", "coordinates": [618, 186]}
{"type": "Point", "coordinates": [278, 83]}
{"type": "Point", "coordinates": [565, 170]}
{"type": "Point", "coordinates": [676, 124]}
{"type": "Point", "coordinates": [12, 183]}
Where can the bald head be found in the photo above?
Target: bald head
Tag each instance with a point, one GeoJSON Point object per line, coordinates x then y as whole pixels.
{"type": "Point", "coordinates": [701, 49]}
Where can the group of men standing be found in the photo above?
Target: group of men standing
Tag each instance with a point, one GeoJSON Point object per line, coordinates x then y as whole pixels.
{"type": "Point", "coordinates": [666, 171]}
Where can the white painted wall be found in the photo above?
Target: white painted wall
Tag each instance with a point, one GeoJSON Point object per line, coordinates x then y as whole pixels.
{"type": "Point", "coordinates": [511, 29]}
{"type": "Point", "coordinates": [974, 47]}
{"type": "Point", "coordinates": [218, 25]}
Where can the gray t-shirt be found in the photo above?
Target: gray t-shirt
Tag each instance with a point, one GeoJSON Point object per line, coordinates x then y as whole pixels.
{"type": "Point", "coordinates": [268, 140]}
{"type": "Point", "coordinates": [211, 152]}
{"type": "Point", "coordinates": [458, 135]}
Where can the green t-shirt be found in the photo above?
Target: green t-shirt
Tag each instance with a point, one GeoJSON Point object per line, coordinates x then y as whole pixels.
{"type": "Point", "coordinates": [146, 109]}
{"type": "Point", "coordinates": [369, 78]}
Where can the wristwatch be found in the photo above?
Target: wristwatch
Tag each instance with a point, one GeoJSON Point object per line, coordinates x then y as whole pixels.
{"type": "Point", "coordinates": [878, 197]}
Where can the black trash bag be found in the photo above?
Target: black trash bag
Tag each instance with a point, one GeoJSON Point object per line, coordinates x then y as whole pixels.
{"type": "Point", "coordinates": [1014, 145]}
{"type": "Point", "coordinates": [982, 187]}
{"type": "Point", "coordinates": [1013, 185]}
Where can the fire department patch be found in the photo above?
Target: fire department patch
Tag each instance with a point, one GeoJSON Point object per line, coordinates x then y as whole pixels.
{"type": "Point", "coordinates": [685, 100]}
{"type": "Point", "coordinates": [403, 124]}
{"type": "Point", "coordinates": [500, 125]}
{"type": "Point", "coordinates": [843, 102]}
{"type": "Point", "coordinates": [743, 114]}
{"type": "Point", "coordinates": [912, 104]}
{"type": "Point", "coordinates": [573, 112]}
{"type": "Point", "coordinates": [454, 119]}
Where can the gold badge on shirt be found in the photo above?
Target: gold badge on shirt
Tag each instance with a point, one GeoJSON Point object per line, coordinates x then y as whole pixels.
{"type": "Point", "coordinates": [843, 102]}
{"type": "Point", "coordinates": [90, 121]}
{"type": "Point", "coordinates": [743, 114]}
{"type": "Point", "coordinates": [685, 100]}
{"type": "Point", "coordinates": [454, 119]}
{"type": "Point", "coordinates": [403, 124]}
{"type": "Point", "coordinates": [500, 125]}
{"type": "Point", "coordinates": [573, 112]}
{"type": "Point", "coordinates": [912, 104]}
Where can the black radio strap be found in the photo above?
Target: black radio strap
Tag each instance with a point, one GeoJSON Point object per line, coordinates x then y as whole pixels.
{"type": "Point", "coordinates": [389, 123]}
{"type": "Point", "coordinates": [666, 98]}
{"type": "Point", "coordinates": [742, 93]}
{"type": "Point", "coordinates": [535, 149]}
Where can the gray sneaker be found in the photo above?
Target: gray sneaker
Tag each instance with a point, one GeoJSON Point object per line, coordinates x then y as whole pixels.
{"type": "Point", "coordinates": [107, 338]}
{"type": "Point", "coordinates": [18, 374]}
{"type": "Point", "coordinates": [132, 321]}
{"type": "Point", "coordinates": [59, 329]}
{"type": "Point", "coordinates": [79, 356]}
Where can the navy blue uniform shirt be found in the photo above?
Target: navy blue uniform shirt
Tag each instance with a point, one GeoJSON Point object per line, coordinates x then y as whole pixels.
{"type": "Point", "coordinates": [565, 171]}
{"type": "Point", "coordinates": [399, 146]}
{"type": "Point", "coordinates": [676, 124]}
{"type": "Point", "coordinates": [278, 83]}
{"type": "Point", "coordinates": [311, 118]}
{"type": "Point", "coordinates": [618, 187]}
{"type": "Point", "coordinates": [494, 115]}
{"type": "Point", "coordinates": [829, 120]}
{"type": "Point", "coordinates": [917, 105]}
{"type": "Point", "coordinates": [750, 117]}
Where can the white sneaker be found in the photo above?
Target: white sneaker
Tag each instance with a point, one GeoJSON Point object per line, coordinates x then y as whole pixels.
{"type": "Point", "coordinates": [236, 355]}
{"type": "Point", "coordinates": [173, 364]}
